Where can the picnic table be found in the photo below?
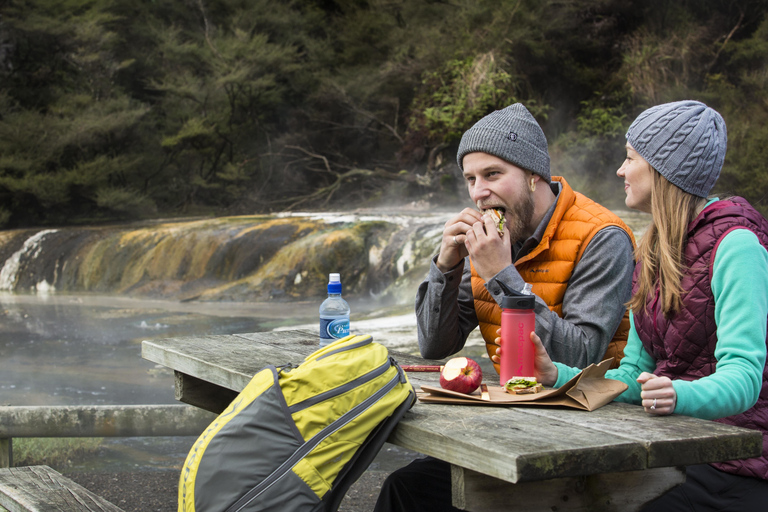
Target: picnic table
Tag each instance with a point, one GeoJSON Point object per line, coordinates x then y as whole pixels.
{"type": "Point", "coordinates": [535, 457]}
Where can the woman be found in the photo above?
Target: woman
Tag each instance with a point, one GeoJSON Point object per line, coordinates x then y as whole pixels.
{"type": "Point", "coordinates": [697, 344]}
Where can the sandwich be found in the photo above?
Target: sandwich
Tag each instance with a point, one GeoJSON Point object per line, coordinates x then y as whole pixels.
{"type": "Point", "coordinates": [497, 214]}
{"type": "Point", "coordinates": [522, 386]}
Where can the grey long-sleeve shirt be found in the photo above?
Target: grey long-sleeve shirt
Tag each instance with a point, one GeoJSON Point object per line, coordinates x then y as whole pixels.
{"type": "Point", "coordinates": [593, 304]}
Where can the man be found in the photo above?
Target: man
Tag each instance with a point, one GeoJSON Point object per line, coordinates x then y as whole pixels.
{"type": "Point", "coordinates": [576, 254]}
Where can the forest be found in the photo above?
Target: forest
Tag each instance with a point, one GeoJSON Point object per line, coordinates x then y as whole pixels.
{"type": "Point", "coordinates": [116, 110]}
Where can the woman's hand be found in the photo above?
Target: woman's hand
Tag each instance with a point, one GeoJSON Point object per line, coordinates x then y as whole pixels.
{"type": "Point", "coordinates": [659, 397]}
{"type": "Point", "coordinates": [546, 371]}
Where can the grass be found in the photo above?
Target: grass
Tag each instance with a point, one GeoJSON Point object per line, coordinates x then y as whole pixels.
{"type": "Point", "coordinates": [53, 451]}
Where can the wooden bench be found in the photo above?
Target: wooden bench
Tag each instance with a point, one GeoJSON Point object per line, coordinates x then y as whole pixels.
{"type": "Point", "coordinates": [41, 489]}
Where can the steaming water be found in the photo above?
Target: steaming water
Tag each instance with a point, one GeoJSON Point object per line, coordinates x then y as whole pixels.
{"type": "Point", "coordinates": [68, 351]}
{"type": "Point", "coordinates": [86, 350]}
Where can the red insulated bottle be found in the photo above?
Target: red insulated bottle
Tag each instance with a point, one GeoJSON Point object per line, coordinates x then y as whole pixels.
{"type": "Point", "coordinates": [517, 322]}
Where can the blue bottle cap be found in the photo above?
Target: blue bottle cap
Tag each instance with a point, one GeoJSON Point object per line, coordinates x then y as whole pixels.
{"type": "Point", "coordinates": [334, 283]}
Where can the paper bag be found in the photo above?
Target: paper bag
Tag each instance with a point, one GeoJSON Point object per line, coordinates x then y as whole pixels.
{"type": "Point", "coordinates": [587, 391]}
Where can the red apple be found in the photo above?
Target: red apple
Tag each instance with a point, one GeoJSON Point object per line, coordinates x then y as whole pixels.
{"type": "Point", "coordinates": [461, 374]}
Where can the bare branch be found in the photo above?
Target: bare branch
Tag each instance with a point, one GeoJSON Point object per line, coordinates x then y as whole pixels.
{"type": "Point", "coordinates": [727, 38]}
{"type": "Point", "coordinates": [351, 105]}
{"type": "Point", "coordinates": [207, 38]}
{"type": "Point", "coordinates": [314, 155]}
{"type": "Point", "coordinates": [432, 160]}
{"type": "Point", "coordinates": [339, 178]}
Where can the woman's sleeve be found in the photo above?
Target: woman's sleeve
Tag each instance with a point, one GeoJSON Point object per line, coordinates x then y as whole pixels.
{"type": "Point", "coordinates": [740, 290]}
{"type": "Point", "coordinates": [636, 360]}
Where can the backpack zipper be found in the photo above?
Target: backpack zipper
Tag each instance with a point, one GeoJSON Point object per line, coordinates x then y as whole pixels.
{"type": "Point", "coordinates": [340, 390]}
{"type": "Point", "coordinates": [287, 367]}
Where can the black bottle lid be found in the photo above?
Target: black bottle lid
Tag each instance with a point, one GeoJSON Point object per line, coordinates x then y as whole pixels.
{"type": "Point", "coordinates": [516, 300]}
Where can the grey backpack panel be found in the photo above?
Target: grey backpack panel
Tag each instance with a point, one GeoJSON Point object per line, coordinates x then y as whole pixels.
{"type": "Point", "coordinates": [228, 467]}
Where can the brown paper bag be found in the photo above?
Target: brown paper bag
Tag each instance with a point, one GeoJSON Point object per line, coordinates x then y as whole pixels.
{"type": "Point", "coordinates": [587, 391]}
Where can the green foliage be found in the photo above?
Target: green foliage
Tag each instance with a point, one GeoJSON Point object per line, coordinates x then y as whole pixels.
{"type": "Point", "coordinates": [113, 109]}
{"type": "Point", "coordinates": [62, 145]}
{"type": "Point", "coordinates": [599, 119]}
{"type": "Point", "coordinates": [740, 98]}
{"type": "Point", "coordinates": [126, 201]}
{"type": "Point", "coordinates": [455, 97]}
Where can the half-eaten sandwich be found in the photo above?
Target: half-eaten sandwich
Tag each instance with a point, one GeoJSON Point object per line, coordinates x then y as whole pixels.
{"type": "Point", "coordinates": [497, 214]}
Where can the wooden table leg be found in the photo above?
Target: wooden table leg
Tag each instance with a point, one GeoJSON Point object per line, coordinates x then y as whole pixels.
{"type": "Point", "coordinates": [607, 492]}
{"type": "Point", "coordinates": [6, 452]}
{"type": "Point", "coordinates": [202, 394]}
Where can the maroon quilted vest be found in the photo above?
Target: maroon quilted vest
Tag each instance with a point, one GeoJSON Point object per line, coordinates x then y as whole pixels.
{"type": "Point", "coordinates": [684, 344]}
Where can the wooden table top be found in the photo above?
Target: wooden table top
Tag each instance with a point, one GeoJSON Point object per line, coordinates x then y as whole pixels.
{"type": "Point", "coordinates": [515, 444]}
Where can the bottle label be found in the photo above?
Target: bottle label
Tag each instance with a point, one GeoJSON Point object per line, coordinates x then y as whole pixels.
{"type": "Point", "coordinates": [334, 328]}
{"type": "Point", "coordinates": [516, 330]}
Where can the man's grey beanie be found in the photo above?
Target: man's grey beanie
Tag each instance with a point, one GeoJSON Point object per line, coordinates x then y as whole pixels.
{"type": "Point", "coordinates": [685, 141]}
{"type": "Point", "coordinates": [511, 134]}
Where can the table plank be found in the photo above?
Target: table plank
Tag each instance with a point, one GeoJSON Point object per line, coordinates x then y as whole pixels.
{"type": "Point", "coordinates": [533, 447]}
{"type": "Point", "coordinates": [211, 370]}
{"type": "Point", "coordinates": [627, 491]}
{"type": "Point", "coordinates": [230, 361]}
{"type": "Point", "coordinates": [542, 442]}
{"type": "Point", "coordinates": [671, 440]}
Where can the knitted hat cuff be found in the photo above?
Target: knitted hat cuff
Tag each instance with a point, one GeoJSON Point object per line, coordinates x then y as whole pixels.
{"type": "Point", "coordinates": [496, 143]}
{"type": "Point", "coordinates": [511, 134]}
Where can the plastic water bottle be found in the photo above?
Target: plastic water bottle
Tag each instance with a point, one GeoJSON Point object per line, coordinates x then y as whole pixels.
{"type": "Point", "coordinates": [334, 313]}
{"type": "Point", "coordinates": [518, 320]}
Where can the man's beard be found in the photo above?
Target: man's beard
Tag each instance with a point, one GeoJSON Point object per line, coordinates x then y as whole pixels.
{"type": "Point", "coordinates": [519, 216]}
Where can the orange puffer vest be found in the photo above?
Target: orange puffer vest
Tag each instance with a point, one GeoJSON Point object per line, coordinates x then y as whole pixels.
{"type": "Point", "coordinates": [549, 266]}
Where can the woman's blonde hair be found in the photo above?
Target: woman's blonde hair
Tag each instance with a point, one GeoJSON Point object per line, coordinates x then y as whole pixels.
{"type": "Point", "coordinates": [660, 251]}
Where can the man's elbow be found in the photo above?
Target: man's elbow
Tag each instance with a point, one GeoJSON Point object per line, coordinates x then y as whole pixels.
{"type": "Point", "coordinates": [432, 352]}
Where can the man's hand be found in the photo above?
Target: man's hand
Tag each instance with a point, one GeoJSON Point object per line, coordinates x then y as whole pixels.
{"type": "Point", "coordinates": [546, 371]}
{"type": "Point", "coordinates": [489, 252]}
{"type": "Point", "coordinates": [452, 248]}
{"type": "Point", "coordinates": [659, 397]}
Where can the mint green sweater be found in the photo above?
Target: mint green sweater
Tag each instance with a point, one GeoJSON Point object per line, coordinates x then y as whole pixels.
{"type": "Point", "coordinates": [740, 288]}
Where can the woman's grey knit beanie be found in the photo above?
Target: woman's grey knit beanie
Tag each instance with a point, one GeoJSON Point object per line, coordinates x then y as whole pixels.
{"type": "Point", "coordinates": [685, 141]}
{"type": "Point", "coordinates": [511, 134]}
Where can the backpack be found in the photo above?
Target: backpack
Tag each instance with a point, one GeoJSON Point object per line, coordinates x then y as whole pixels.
{"type": "Point", "coordinates": [298, 436]}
